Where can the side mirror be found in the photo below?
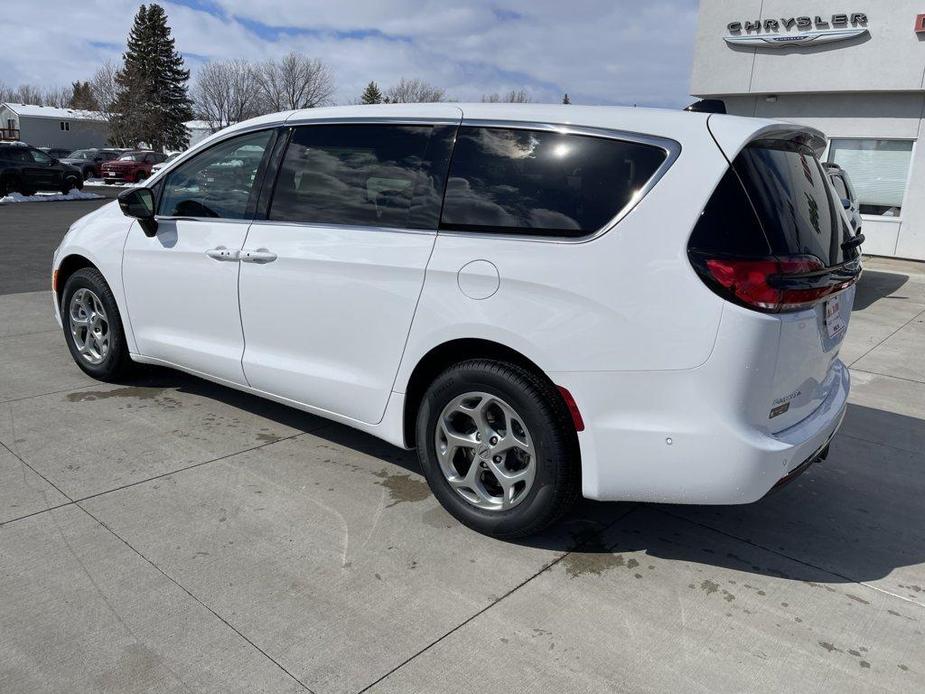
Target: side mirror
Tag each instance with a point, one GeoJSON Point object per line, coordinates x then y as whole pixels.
{"type": "Point", "coordinates": [846, 203]}
{"type": "Point", "coordinates": [139, 203]}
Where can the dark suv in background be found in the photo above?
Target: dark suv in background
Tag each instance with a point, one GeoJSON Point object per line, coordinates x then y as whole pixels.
{"type": "Point", "coordinates": [90, 161]}
{"type": "Point", "coordinates": [25, 170]}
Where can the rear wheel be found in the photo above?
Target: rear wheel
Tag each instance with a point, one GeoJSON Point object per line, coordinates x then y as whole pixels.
{"type": "Point", "coordinates": [93, 327]}
{"type": "Point", "coordinates": [497, 447]}
{"type": "Point", "coordinates": [140, 176]}
{"type": "Point", "coordinates": [70, 183]}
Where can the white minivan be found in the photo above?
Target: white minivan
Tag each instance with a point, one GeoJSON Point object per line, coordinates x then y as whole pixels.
{"type": "Point", "coordinates": [545, 301]}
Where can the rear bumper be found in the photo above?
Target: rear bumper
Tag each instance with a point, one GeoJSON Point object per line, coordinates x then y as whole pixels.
{"type": "Point", "coordinates": [678, 437]}
{"type": "Point", "coordinates": [118, 175]}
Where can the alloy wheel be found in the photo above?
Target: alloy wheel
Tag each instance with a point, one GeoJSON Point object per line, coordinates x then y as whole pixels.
{"type": "Point", "coordinates": [485, 451]}
{"type": "Point", "coordinates": [89, 326]}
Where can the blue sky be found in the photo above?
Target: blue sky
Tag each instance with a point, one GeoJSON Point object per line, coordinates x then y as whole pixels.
{"type": "Point", "coordinates": [616, 52]}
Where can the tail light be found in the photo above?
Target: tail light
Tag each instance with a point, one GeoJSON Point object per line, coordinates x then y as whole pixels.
{"type": "Point", "coordinates": [774, 285]}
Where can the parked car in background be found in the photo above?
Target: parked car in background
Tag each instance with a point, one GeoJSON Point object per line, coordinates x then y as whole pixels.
{"type": "Point", "coordinates": [90, 161]}
{"type": "Point", "coordinates": [170, 158]}
{"type": "Point", "coordinates": [25, 170]}
{"type": "Point", "coordinates": [482, 282]}
{"type": "Point", "coordinates": [56, 152]}
{"type": "Point", "coordinates": [131, 166]}
{"type": "Point", "coordinates": [849, 200]}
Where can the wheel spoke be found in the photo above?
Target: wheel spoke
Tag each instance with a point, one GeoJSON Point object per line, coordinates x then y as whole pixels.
{"type": "Point", "coordinates": [494, 438]}
{"type": "Point", "coordinates": [88, 325]}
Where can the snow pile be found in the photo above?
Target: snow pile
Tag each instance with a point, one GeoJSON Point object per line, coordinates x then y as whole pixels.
{"type": "Point", "coordinates": [110, 184]}
{"type": "Point", "coordinates": [74, 194]}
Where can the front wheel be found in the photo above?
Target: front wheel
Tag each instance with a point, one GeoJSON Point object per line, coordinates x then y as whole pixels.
{"type": "Point", "coordinates": [498, 448]}
{"type": "Point", "coordinates": [92, 326]}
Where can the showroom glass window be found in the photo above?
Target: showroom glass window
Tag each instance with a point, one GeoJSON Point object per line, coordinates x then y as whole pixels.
{"type": "Point", "coordinates": [878, 169]}
{"type": "Point", "coordinates": [218, 182]}
{"type": "Point", "coordinates": [363, 175]}
{"type": "Point", "coordinates": [507, 180]}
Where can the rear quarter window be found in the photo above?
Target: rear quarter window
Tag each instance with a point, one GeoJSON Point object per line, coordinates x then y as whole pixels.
{"type": "Point", "coordinates": [508, 180]}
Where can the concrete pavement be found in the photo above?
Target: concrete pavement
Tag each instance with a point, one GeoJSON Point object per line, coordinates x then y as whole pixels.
{"type": "Point", "coordinates": [173, 535]}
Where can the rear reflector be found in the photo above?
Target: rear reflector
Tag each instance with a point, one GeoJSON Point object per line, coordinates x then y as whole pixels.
{"type": "Point", "coordinates": [572, 408]}
{"type": "Point", "coordinates": [773, 285]}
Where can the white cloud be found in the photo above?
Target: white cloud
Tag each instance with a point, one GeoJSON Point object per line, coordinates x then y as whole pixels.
{"type": "Point", "coordinates": [599, 52]}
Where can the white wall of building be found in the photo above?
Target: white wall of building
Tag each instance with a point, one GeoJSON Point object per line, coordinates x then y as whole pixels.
{"type": "Point", "coordinates": [871, 87]}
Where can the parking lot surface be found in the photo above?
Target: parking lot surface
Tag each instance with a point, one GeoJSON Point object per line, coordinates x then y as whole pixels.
{"type": "Point", "coordinates": [169, 534]}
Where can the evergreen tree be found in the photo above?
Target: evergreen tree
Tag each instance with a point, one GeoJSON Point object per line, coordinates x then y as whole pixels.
{"type": "Point", "coordinates": [152, 101]}
{"type": "Point", "coordinates": [82, 97]}
{"type": "Point", "coordinates": [371, 95]}
{"type": "Point", "coordinates": [565, 99]}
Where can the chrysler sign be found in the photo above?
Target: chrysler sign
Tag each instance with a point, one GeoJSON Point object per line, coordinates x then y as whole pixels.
{"type": "Point", "coordinates": [796, 31]}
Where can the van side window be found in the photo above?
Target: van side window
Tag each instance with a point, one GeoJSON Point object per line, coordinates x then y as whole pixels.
{"type": "Point", "coordinates": [542, 183]}
{"type": "Point", "coordinates": [218, 182]}
{"type": "Point", "coordinates": [366, 175]}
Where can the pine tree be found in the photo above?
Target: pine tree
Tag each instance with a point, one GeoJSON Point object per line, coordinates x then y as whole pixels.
{"type": "Point", "coordinates": [82, 97]}
{"type": "Point", "coordinates": [152, 102]}
{"type": "Point", "coordinates": [371, 95]}
{"type": "Point", "coordinates": [565, 99]}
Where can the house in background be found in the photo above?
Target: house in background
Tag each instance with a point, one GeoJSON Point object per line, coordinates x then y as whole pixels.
{"type": "Point", "coordinates": [47, 126]}
{"type": "Point", "coordinates": [198, 130]}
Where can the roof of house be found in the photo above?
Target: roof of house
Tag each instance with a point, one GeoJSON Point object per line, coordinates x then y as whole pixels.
{"type": "Point", "coordinates": [198, 125]}
{"type": "Point", "coordinates": [33, 111]}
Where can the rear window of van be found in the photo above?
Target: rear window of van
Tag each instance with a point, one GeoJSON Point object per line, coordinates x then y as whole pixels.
{"type": "Point", "coordinates": [508, 180]}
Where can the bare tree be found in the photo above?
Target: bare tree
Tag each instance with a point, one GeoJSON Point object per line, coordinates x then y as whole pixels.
{"type": "Point", "coordinates": [59, 97]}
{"type": "Point", "coordinates": [228, 92]}
{"type": "Point", "coordinates": [414, 91]}
{"type": "Point", "coordinates": [515, 96]}
{"type": "Point", "coordinates": [27, 94]}
{"type": "Point", "coordinates": [295, 81]}
{"type": "Point", "coordinates": [103, 86]}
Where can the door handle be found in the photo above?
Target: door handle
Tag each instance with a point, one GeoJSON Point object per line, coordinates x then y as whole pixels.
{"type": "Point", "coordinates": [261, 255]}
{"type": "Point", "coordinates": [222, 253]}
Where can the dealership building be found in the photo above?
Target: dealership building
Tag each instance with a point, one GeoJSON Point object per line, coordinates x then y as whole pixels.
{"type": "Point", "coordinates": [855, 72]}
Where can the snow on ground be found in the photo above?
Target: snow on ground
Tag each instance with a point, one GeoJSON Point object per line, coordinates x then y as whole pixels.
{"type": "Point", "coordinates": [115, 184]}
{"type": "Point", "coordinates": [74, 194]}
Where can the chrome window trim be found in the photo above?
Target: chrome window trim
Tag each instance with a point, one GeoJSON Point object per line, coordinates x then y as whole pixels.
{"type": "Point", "coordinates": [672, 149]}
{"type": "Point", "coordinates": [347, 227]}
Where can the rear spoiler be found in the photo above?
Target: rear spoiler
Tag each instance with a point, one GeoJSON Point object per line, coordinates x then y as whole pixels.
{"type": "Point", "coordinates": [733, 133]}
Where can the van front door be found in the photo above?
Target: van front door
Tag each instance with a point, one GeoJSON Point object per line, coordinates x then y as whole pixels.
{"type": "Point", "coordinates": [181, 286]}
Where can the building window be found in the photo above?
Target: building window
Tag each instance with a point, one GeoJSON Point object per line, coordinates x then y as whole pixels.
{"type": "Point", "coordinates": [64, 125]}
{"type": "Point", "coordinates": [878, 170]}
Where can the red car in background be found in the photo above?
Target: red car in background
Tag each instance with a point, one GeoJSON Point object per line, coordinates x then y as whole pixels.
{"type": "Point", "coordinates": [132, 166]}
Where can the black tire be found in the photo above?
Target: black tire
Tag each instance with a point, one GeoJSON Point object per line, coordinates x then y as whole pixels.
{"type": "Point", "coordinates": [140, 176]}
{"type": "Point", "coordinates": [116, 364]}
{"type": "Point", "coordinates": [10, 184]}
{"type": "Point", "coordinates": [69, 184]}
{"type": "Point", "coordinates": [556, 484]}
